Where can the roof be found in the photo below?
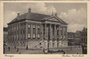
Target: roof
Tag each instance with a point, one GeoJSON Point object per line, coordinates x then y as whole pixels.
{"type": "Point", "coordinates": [35, 17]}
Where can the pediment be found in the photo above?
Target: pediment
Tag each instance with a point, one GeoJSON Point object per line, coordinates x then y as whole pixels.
{"type": "Point", "coordinates": [56, 19]}
{"type": "Point", "coordinates": [52, 19]}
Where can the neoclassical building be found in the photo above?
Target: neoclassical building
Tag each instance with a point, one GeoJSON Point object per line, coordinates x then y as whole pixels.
{"type": "Point", "coordinates": [37, 31]}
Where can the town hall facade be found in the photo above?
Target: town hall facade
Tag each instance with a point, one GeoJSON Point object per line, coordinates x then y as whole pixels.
{"type": "Point", "coordinates": [37, 31]}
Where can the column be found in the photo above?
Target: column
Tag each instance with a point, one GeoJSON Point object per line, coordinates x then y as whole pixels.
{"type": "Point", "coordinates": [51, 39]}
{"type": "Point", "coordinates": [63, 37]}
{"type": "Point", "coordinates": [36, 35]}
{"type": "Point", "coordinates": [26, 34]}
{"type": "Point", "coordinates": [55, 37]}
{"type": "Point", "coordinates": [66, 41]}
{"type": "Point", "coordinates": [46, 43]}
{"type": "Point", "coordinates": [47, 39]}
{"type": "Point", "coordinates": [63, 32]}
{"type": "Point", "coordinates": [59, 42]}
{"type": "Point", "coordinates": [41, 31]}
{"type": "Point", "coordinates": [45, 32]}
{"type": "Point", "coordinates": [54, 32]}
{"type": "Point", "coordinates": [66, 36]}
{"type": "Point", "coordinates": [66, 33]}
{"type": "Point", "coordinates": [41, 35]}
{"type": "Point", "coordinates": [55, 45]}
{"type": "Point", "coordinates": [50, 32]}
{"type": "Point", "coordinates": [59, 32]}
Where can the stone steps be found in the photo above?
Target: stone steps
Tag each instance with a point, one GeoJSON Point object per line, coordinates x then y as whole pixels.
{"type": "Point", "coordinates": [34, 44]}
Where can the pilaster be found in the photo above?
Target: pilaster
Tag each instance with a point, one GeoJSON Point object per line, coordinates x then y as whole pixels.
{"type": "Point", "coordinates": [54, 32]}
{"type": "Point", "coordinates": [31, 31]}
{"type": "Point", "coordinates": [50, 32]}
{"type": "Point", "coordinates": [36, 34]}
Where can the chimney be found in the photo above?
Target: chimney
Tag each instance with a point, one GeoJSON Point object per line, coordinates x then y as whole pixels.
{"type": "Point", "coordinates": [29, 10]}
{"type": "Point", "coordinates": [18, 14]}
{"type": "Point", "coordinates": [55, 14]}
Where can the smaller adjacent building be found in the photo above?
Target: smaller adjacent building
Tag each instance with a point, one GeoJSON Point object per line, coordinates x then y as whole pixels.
{"type": "Point", "coordinates": [74, 38]}
{"type": "Point", "coordinates": [84, 36]}
{"type": "Point", "coordinates": [78, 38]}
{"type": "Point", "coordinates": [71, 38]}
{"type": "Point", "coordinates": [84, 40]}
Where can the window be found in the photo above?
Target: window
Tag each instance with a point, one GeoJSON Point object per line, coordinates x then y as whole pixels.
{"type": "Point", "coordinates": [28, 35]}
{"type": "Point", "coordinates": [29, 30]}
{"type": "Point", "coordinates": [34, 31]}
{"type": "Point", "coordinates": [33, 26]}
{"type": "Point", "coordinates": [38, 32]}
{"type": "Point", "coordinates": [57, 31]}
{"type": "Point", "coordinates": [29, 26]}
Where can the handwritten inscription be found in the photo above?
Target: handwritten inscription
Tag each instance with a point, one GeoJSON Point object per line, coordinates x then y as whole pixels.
{"type": "Point", "coordinates": [9, 55]}
{"type": "Point", "coordinates": [72, 55]}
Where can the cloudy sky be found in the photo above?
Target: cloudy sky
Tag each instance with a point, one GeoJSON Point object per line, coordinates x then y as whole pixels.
{"type": "Point", "coordinates": [75, 14]}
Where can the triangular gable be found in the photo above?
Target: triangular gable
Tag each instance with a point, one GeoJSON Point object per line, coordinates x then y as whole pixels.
{"type": "Point", "coordinates": [52, 19]}
{"type": "Point", "coordinates": [61, 21]}
{"type": "Point", "coordinates": [56, 19]}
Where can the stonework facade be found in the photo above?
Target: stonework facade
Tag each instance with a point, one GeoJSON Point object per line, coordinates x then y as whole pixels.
{"type": "Point", "coordinates": [37, 31]}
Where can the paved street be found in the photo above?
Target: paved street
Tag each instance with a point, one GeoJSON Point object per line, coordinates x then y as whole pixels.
{"type": "Point", "coordinates": [24, 51]}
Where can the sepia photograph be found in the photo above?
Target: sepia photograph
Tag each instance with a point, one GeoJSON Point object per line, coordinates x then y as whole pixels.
{"type": "Point", "coordinates": [45, 28]}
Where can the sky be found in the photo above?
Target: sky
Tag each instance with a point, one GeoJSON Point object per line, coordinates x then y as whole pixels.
{"type": "Point", "coordinates": [75, 14]}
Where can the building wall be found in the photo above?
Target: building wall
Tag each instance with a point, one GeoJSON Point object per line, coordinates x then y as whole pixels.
{"type": "Point", "coordinates": [5, 35]}
{"type": "Point", "coordinates": [25, 32]}
{"type": "Point", "coordinates": [16, 33]}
